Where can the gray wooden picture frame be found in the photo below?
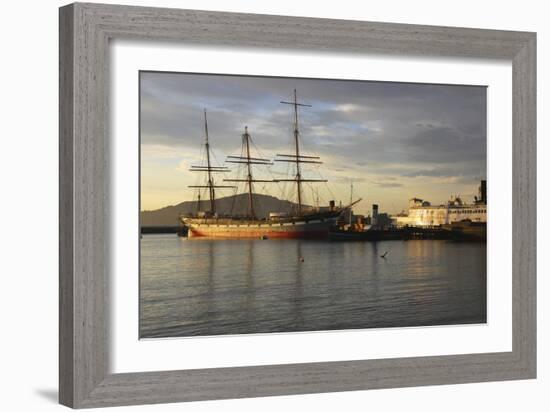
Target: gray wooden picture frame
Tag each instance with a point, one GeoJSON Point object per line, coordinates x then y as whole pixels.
{"type": "Point", "coordinates": [85, 32]}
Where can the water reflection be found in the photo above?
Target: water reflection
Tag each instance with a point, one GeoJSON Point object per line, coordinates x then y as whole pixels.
{"type": "Point", "coordinates": [250, 294]}
{"type": "Point", "coordinates": [298, 286]}
{"type": "Point", "coordinates": [206, 287]}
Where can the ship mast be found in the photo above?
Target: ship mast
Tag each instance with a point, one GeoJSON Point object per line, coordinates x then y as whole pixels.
{"type": "Point", "coordinates": [246, 138]}
{"type": "Point", "coordinates": [249, 161]}
{"type": "Point", "coordinates": [298, 158]}
{"type": "Point", "coordinates": [209, 169]}
{"type": "Point", "coordinates": [350, 201]}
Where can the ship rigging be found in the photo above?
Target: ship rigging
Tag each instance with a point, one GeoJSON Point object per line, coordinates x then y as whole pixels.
{"type": "Point", "coordinates": [209, 170]}
{"type": "Point", "coordinates": [248, 161]}
{"type": "Point", "coordinates": [305, 222]}
{"type": "Point", "coordinates": [298, 158]}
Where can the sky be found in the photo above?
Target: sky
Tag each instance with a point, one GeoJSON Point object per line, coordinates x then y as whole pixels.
{"type": "Point", "coordinates": [392, 141]}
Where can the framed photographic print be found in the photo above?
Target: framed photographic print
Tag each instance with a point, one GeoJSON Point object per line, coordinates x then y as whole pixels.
{"type": "Point", "coordinates": [259, 205]}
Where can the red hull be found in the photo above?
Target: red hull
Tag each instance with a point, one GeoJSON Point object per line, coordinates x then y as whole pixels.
{"type": "Point", "coordinates": [311, 229]}
{"type": "Point", "coordinates": [320, 234]}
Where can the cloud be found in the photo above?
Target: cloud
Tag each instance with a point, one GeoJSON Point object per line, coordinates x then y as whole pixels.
{"type": "Point", "coordinates": [183, 166]}
{"type": "Point", "coordinates": [349, 179]}
{"type": "Point", "coordinates": [161, 151]}
{"type": "Point", "coordinates": [417, 133]}
{"type": "Point", "coordinates": [347, 107]}
{"type": "Point", "coordinates": [388, 185]}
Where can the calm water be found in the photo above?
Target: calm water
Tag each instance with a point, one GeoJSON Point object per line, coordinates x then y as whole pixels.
{"type": "Point", "coordinates": [213, 287]}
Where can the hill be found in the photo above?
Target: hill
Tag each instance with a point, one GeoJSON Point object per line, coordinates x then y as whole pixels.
{"type": "Point", "coordinates": [236, 205]}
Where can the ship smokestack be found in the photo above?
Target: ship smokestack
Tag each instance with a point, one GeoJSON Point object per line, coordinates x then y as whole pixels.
{"type": "Point", "coordinates": [374, 214]}
{"type": "Point", "coordinates": [483, 191]}
{"type": "Point", "coordinates": [331, 205]}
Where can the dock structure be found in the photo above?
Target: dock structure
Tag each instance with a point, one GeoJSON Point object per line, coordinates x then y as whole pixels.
{"type": "Point", "coordinates": [422, 213]}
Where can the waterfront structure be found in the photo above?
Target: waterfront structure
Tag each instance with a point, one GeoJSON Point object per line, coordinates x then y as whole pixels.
{"type": "Point", "coordinates": [422, 213]}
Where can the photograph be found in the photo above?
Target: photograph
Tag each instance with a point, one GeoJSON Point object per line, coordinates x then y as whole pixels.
{"type": "Point", "coordinates": [279, 205]}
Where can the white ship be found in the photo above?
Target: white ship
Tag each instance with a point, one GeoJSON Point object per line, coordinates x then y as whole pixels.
{"type": "Point", "coordinates": [422, 213]}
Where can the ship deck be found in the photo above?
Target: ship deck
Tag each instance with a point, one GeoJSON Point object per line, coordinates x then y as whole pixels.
{"type": "Point", "coordinates": [246, 221]}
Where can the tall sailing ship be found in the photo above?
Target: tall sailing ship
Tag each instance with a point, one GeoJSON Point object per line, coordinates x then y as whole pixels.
{"type": "Point", "coordinates": [302, 222]}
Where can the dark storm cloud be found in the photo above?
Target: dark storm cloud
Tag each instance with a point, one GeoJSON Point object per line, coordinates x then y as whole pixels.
{"type": "Point", "coordinates": [397, 129]}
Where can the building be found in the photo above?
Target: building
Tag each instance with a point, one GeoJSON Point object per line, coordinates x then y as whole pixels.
{"type": "Point", "coordinates": [422, 213]}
